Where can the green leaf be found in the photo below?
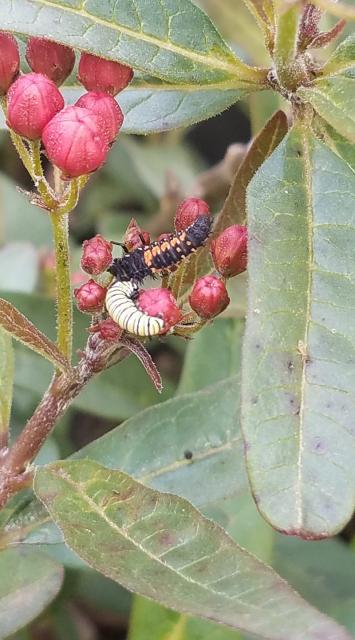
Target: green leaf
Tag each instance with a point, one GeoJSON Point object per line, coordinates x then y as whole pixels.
{"type": "Point", "coordinates": [160, 546]}
{"type": "Point", "coordinates": [151, 446]}
{"type": "Point", "coordinates": [342, 58]}
{"type": "Point", "coordinates": [20, 328]}
{"type": "Point", "coordinates": [299, 353]}
{"type": "Point", "coordinates": [340, 9]}
{"type": "Point", "coordinates": [340, 145]}
{"type": "Point", "coordinates": [153, 106]}
{"type": "Point", "coordinates": [6, 383]}
{"type": "Point", "coordinates": [29, 582]}
{"type": "Point", "coordinates": [334, 99]}
{"type": "Point", "coordinates": [177, 44]}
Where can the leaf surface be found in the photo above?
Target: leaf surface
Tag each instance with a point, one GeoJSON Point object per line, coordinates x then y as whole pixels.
{"type": "Point", "coordinates": [342, 58]}
{"type": "Point", "coordinates": [29, 582]}
{"type": "Point", "coordinates": [175, 42]}
{"type": "Point", "coordinates": [160, 546]}
{"type": "Point", "coordinates": [334, 99]}
{"type": "Point", "coordinates": [299, 350]}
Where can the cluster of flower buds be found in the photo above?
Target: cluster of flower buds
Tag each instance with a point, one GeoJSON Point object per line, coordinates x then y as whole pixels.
{"type": "Point", "coordinates": [76, 138]}
{"type": "Point", "coordinates": [209, 295]}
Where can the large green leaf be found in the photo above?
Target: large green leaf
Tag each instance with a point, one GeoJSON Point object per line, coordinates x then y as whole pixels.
{"type": "Point", "coordinates": [175, 42]}
{"type": "Point", "coordinates": [160, 546]}
{"type": "Point", "coordinates": [152, 445]}
{"type": "Point", "coordinates": [334, 99]}
{"type": "Point", "coordinates": [299, 351]}
{"type": "Point", "coordinates": [342, 58]}
{"type": "Point", "coordinates": [29, 581]}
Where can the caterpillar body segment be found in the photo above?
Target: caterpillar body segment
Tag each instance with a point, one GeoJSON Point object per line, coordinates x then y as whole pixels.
{"type": "Point", "coordinates": [162, 255]}
{"type": "Point", "coordinates": [121, 307]}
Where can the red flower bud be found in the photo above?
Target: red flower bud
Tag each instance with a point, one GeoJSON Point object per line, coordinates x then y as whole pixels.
{"type": "Point", "coordinates": [135, 237]}
{"type": "Point", "coordinates": [97, 255]}
{"type": "Point", "coordinates": [76, 141]}
{"type": "Point", "coordinates": [107, 108]}
{"type": "Point", "coordinates": [209, 297]}
{"type": "Point", "coordinates": [9, 61]}
{"type": "Point", "coordinates": [230, 251]}
{"type": "Point", "coordinates": [162, 304]}
{"type": "Point", "coordinates": [50, 58]}
{"type": "Point", "coordinates": [90, 297]}
{"type": "Point", "coordinates": [98, 74]}
{"type": "Point", "coordinates": [188, 211]}
{"type": "Point", "coordinates": [32, 101]}
{"type": "Point", "coordinates": [108, 330]}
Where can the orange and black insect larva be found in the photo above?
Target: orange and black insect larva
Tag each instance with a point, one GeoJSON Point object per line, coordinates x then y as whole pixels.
{"type": "Point", "coordinates": [162, 255]}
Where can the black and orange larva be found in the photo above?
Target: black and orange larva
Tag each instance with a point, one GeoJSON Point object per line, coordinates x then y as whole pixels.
{"type": "Point", "coordinates": [162, 255]}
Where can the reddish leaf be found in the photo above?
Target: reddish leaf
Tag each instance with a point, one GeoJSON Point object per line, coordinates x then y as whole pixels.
{"type": "Point", "coordinates": [15, 323]}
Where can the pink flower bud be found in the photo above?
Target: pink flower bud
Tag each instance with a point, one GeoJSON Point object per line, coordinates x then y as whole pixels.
{"type": "Point", "coordinates": [9, 61]}
{"type": "Point", "coordinates": [230, 251]}
{"type": "Point", "coordinates": [107, 108]}
{"type": "Point", "coordinates": [90, 297]}
{"type": "Point", "coordinates": [97, 255]}
{"type": "Point", "coordinates": [162, 304]}
{"type": "Point", "coordinates": [209, 297]}
{"type": "Point", "coordinates": [76, 141]}
{"type": "Point", "coordinates": [98, 74]}
{"type": "Point", "coordinates": [50, 58]}
{"type": "Point", "coordinates": [32, 101]}
{"type": "Point", "coordinates": [188, 211]}
{"type": "Point", "coordinates": [165, 236]}
{"type": "Point", "coordinates": [107, 329]}
{"type": "Point", "coordinates": [135, 236]}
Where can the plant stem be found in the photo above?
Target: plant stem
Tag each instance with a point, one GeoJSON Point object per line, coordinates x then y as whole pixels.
{"type": "Point", "coordinates": [64, 297]}
{"type": "Point", "coordinates": [38, 177]}
{"type": "Point", "coordinates": [60, 394]}
{"type": "Point", "coordinates": [286, 46]}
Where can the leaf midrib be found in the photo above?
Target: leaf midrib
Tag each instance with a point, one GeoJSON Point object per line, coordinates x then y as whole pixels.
{"type": "Point", "coordinates": [205, 60]}
{"type": "Point", "coordinates": [310, 264]}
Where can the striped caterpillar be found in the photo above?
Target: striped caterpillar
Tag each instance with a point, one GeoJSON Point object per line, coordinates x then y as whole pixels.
{"type": "Point", "coordinates": [121, 307]}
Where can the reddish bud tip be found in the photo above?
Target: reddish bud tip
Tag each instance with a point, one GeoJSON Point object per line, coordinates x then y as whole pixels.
{"type": "Point", "coordinates": [165, 236]}
{"type": "Point", "coordinates": [106, 107]}
{"type": "Point", "coordinates": [50, 58]}
{"type": "Point", "coordinates": [97, 255]}
{"type": "Point", "coordinates": [76, 141]}
{"type": "Point", "coordinates": [188, 211]}
{"type": "Point", "coordinates": [9, 61]}
{"type": "Point", "coordinates": [209, 297]}
{"type": "Point", "coordinates": [135, 236]}
{"type": "Point", "coordinates": [32, 101]}
{"type": "Point", "coordinates": [90, 297]}
{"type": "Point", "coordinates": [162, 304]}
{"type": "Point", "coordinates": [107, 329]}
{"type": "Point", "coordinates": [230, 251]}
{"type": "Point", "coordinates": [97, 74]}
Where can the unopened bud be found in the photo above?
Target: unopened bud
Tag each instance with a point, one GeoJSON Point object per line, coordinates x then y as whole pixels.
{"type": "Point", "coordinates": [230, 251]}
{"type": "Point", "coordinates": [135, 236]}
{"type": "Point", "coordinates": [105, 106]}
{"type": "Point", "coordinates": [188, 211]}
{"type": "Point", "coordinates": [75, 141]}
{"type": "Point", "coordinates": [90, 297]}
{"type": "Point", "coordinates": [107, 329]}
{"type": "Point", "coordinates": [32, 101]}
{"type": "Point", "coordinates": [9, 61]}
{"type": "Point", "coordinates": [209, 297]}
{"type": "Point", "coordinates": [54, 60]}
{"type": "Point", "coordinates": [98, 74]}
{"type": "Point", "coordinates": [97, 255]}
{"type": "Point", "coordinates": [162, 304]}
